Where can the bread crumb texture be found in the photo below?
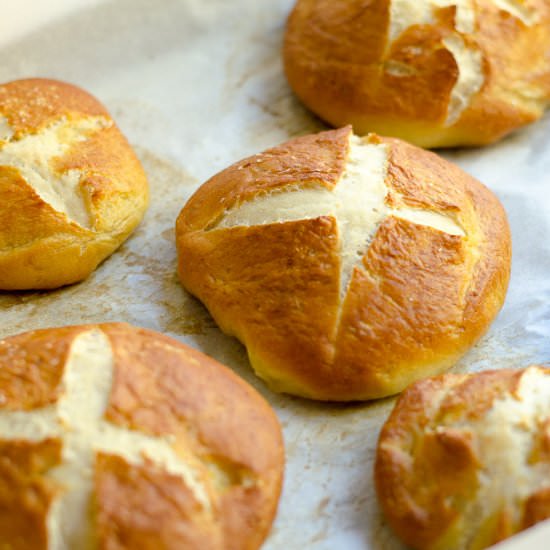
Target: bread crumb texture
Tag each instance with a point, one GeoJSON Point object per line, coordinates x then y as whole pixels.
{"type": "Point", "coordinates": [463, 462]}
{"type": "Point", "coordinates": [117, 437]}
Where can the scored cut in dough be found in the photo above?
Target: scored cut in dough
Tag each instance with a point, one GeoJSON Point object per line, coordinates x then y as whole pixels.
{"type": "Point", "coordinates": [78, 419]}
{"type": "Point", "coordinates": [72, 187]}
{"type": "Point", "coordinates": [33, 154]}
{"type": "Point", "coordinates": [463, 462]}
{"type": "Point", "coordinates": [406, 13]}
{"type": "Point", "coordinates": [348, 266]}
{"type": "Point", "coordinates": [437, 73]}
{"type": "Point", "coordinates": [470, 77]}
{"type": "Point", "coordinates": [519, 9]}
{"type": "Point", "coordinates": [125, 437]}
{"type": "Point", "coordinates": [357, 203]}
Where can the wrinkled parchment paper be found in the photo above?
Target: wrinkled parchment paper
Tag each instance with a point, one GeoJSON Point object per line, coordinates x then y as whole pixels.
{"type": "Point", "coordinates": [197, 85]}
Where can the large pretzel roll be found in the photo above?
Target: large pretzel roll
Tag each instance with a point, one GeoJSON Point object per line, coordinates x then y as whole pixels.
{"type": "Point", "coordinates": [120, 438]}
{"type": "Point", "coordinates": [348, 266]}
{"type": "Point", "coordinates": [437, 73]}
{"type": "Point", "coordinates": [463, 461]}
{"type": "Point", "coordinates": [71, 187]}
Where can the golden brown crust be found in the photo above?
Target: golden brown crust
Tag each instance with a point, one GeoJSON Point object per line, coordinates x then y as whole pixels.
{"type": "Point", "coordinates": [391, 297]}
{"type": "Point", "coordinates": [420, 300]}
{"type": "Point", "coordinates": [209, 426]}
{"type": "Point", "coordinates": [280, 297]}
{"type": "Point", "coordinates": [436, 479]}
{"type": "Point", "coordinates": [481, 263]}
{"type": "Point", "coordinates": [340, 61]}
{"type": "Point", "coordinates": [33, 103]}
{"type": "Point", "coordinates": [40, 246]}
{"type": "Point", "coordinates": [517, 88]}
{"type": "Point", "coordinates": [31, 368]}
{"type": "Point", "coordinates": [25, 494]}
{"type": "Point", "coordinates": [182, 374]}
{"type": "Point", "coordinates": [169, 517]}
{"type": "Point", "coordinates": [217, 425]}
{"type": "Point", "coordinates": [306, 160]}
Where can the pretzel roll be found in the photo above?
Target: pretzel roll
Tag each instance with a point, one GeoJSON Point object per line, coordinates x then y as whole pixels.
{"type": "Point", "coordinates": [463, 461]}
{"type": "Point", "coordinates": [71, 187]}
{"type": "Point", "coordinates": [348, 266]}
{"type": "Point", "coordinates": [116, 437]}
{"type": "Point", "coordinates": [438, 73]}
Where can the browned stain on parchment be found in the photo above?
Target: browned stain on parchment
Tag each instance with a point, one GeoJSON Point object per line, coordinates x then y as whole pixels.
{"type": "Point", "coordinates": [137, 284]}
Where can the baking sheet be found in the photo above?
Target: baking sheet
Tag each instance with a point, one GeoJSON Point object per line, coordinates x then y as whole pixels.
{"type": "Point", "coordinates": [196, 85]}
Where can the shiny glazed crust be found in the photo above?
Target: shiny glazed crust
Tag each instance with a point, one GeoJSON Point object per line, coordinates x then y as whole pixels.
{"type": "Point", "coordinates": [343, 64]}
{"type": "Point", "coordinates": [463, 461]}
{"type": "Point", "coordinates": [215, 425]}
{"type": "Point", "coordinates": [62, 133]}
{"type": "Point", "coordinates": [417, 300]}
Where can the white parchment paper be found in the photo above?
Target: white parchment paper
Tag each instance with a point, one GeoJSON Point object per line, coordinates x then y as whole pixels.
{"type": "Point", "coordinates": [197, 85]}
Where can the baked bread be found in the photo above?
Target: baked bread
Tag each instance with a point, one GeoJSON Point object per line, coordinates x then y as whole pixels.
{"type": "Point", "coordinates": [437, 73]}
{"type": "Point", "coordinates": [348, 267]}
{"type": "Point", "coordinates": [464, 459]}
{"type": "Point", "coordinates": [120, 438]}
{"type": "Point", "coordinates": [71, 188]}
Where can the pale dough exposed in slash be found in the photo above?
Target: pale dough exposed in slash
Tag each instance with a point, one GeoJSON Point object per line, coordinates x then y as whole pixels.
{"type": "Point", "coordinates": [357, 203]}
{"type": "Point", "coordinates": [470, 79]}
{"type": "Point", "coordinates": [519, 9]}
{"type": "Point", "coordinates": [33, 154]}
{"type": "Point", "coordinates": [504, 440]}
{"type": "Point", "coordinates": [78, 420]}
{"type": "Point", "coordinates": [6, 131]}
{"type": "Point", "coordinates": [405, 13]}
